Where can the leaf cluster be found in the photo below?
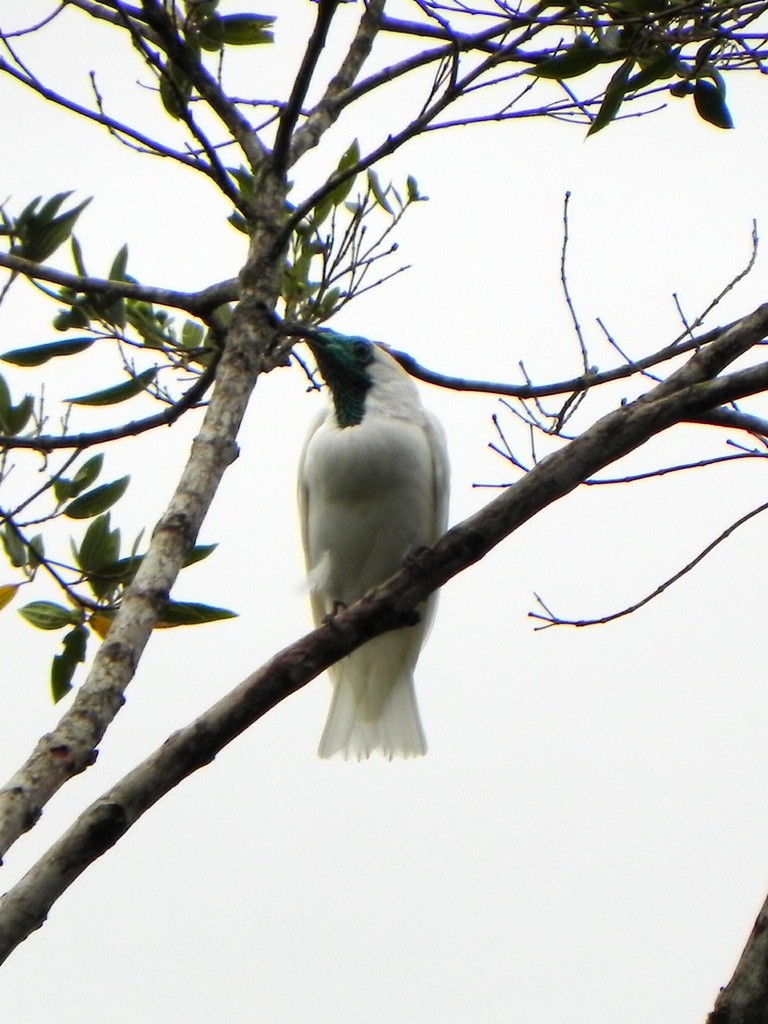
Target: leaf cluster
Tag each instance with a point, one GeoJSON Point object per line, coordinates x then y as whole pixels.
{"type": "Point", "coordinates": [38, 231]}
{"type": "Point", "coordinates": [203, 28]}
{"type": "Point", "coordinates": [331, 254]}
{"type": "Point", "coordinates": [650, 52]}
{"type": "Point", "coordinates": [334, 241]}
{"type": "Point", "coordinates": [94, 580]}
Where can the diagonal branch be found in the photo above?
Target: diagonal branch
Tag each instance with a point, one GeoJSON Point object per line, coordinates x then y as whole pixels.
{"type": "Point", "coordinates": [26, 905]}
{"type": "Point", "coordinates": [550, 619]}
{"type": "Point", "coordinates": [290, 114]}
{"type": "Point", "coordinates": [745, 998]}
{"type": "Point", "coordinates": [250, 350]}
{"type": "Point", "coordinates": [52, 442]}
{"type": "Point", "coordinates": [580, 383]}
{"type": "Point", "coordinates": [178, 52]}
{"type": "Point", "coordinates": [118, 128]}
{"type": "Point", "coordinates": [196, 303]}
{"type": "Point", "coordinates": [328, 109]}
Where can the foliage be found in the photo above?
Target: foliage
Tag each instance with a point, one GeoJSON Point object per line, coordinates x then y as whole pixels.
{"type": "Point", "coordinates": [312, 251]}
{"type": "Point", "coordinates": [333, 239]}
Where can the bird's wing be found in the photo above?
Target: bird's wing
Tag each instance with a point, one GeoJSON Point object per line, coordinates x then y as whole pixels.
{"type": "Point", "coordinates": [318, 611]}
{"type": "Point", "coordinates": [441, 471]}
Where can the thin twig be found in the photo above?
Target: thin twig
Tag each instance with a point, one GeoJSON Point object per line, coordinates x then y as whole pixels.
{"type": "Point", "coordinates": [566, 290]}
{"type": "Point", "coordinates": [550, 619]}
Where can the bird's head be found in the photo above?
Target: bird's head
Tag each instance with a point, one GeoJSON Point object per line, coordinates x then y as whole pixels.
{"type": "Point", "coordinates": [345, 363]}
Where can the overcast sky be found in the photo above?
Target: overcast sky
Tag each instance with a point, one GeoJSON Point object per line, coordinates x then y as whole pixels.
{"type": "Point", "coordinates": [586, 839]}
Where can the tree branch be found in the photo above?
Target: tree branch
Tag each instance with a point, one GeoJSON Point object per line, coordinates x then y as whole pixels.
{"type": "Point", "coordinates": [744, 1000]}
{"type": "Point", "coordinates": [25, 906]}
{"type": "Point", "coordinates": [118, 128]}
{"type": "Point", "coordinates": [550, 619]}
{"type": "Point", "coordinates": [574, 384]}
{"type": "Point", "coordinates": [250, 350]}
{"type": "Point", "coordinates": [326, 112]}
{"type": "Point", "coordinates": [290, 113]}
{"type": "Point", "coordinates": [52, 442]}
{"type": "Point", "coordinates": [195, 303]}
{"type": "Point", "coordinates": [236, 124]}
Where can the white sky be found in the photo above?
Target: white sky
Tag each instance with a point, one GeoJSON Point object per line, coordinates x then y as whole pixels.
{"type": "Point", "coordinates": [586, 839]}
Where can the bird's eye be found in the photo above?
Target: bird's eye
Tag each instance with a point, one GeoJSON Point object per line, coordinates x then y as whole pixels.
{"type": "Point", "coordinates": [363, 352]}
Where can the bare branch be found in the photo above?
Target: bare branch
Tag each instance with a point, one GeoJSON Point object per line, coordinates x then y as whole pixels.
{"type": "Point", "coordinates": [118, 128]}
{"type": "Point", "coordinates": [682, 467]}
{"type": "Point", "coordinates": [290, 112]}
{"type": "Point", "coordinates": [326, 112]}
{"type": "Point", "coordinates": [549, 619]}
{"type": "Point", "coordinates": [529, 390]}
{"type": "Point", "coordinates": [745, 997]}
{"type": "Point", "coordinates": [566, 291]}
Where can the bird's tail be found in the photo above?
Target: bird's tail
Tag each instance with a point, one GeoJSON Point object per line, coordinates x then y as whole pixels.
{"type": "Point", "coordinates": [374, 703]}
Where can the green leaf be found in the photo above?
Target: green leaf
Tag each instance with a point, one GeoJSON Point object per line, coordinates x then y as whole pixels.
{"type": "Point", "coordinates": [63, 489]}
{"type": "Point", "coordinates": [175, 90]}
{"type": "Point", "coordinates": [660, 66]}
{"type": "Point", "coordinates": [120, 572]}
{"type": "Point", "coordinates": [36, 355]}
{"type": "Point", "coordinates": [77, 316]}
{"type": "Point", "coordinates": [378, 193]}
{"type": "Point", "coordinates": [710, 103]}
{"type": "Point", "coordinates": [35, 551]}
{"type": "Point", "coordinates": [414, 196]}
{"type": "Point", "coordinates": [100, 545]}
{"type": "Point", "coordinates": [77, 256]}
{"type": "Point", "coordinates": [209, 37]}
{"type": "Point", "coordinates": [188, 613]}
{"type": "Point", "coordinates": [51, 207]}
{"type": "Point", "coordinates": [87, 473]}
{"type": "Point", "coordinates": [199, 553]}
{"type": "Point", "coordinates": [615, 92]}
{"type": "Point", "coordinates": [192, 334]}
{"type": "Point", "coordinates": [43, 239]}
{"type": "Point", "coordinates": [26, 215]}
{"type": "Point", "coordinates": [5, 400]}
{"type": "Point", "coordinates": [118, 393]}
{"type": "Point", "coordinates": [47, 615]}
{"type": "Point", "coordinates": [199, 9]}
{"type": "Point", "coordinates": [350, 158]}
{"type": "Point", "coordinates": [680, 89]}
{"type": "Point", "coordinates": [124, 569]}
{"type": "Point", "coordinates": [144, 318]}
{"type": "Point", "coordinates": [119, 263]}
{"type": "Point", "coordinates": [246, 183]}
{"type": "Point", "coordinates": [323, 308]}
{"type": "Point", "coordinates": [113, 312]}
{"type": "Point", "coordinates": [579, 58]}
{"type": "Point", "coordinates": [238, 221]}
{"type": "Point", "coordinates": [94, 502]}
{"type": "Point", "coordinates": [235, 30]}
{"type": "Point", "coordinates": [14, 546]}
{"type": "Point", "coordinates": [64, 664]}
{"type": "Point", "coordinates": [13, 418]}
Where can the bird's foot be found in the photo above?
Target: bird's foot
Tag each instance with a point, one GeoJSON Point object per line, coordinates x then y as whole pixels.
{"type": "Point", "coordinates": [414, 558]}
{"type": "Point", "coordinates": [329, 619]}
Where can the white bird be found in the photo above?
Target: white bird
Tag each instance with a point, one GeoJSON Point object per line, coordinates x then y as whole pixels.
{"type": "Point", "coordinates": [373, 486]}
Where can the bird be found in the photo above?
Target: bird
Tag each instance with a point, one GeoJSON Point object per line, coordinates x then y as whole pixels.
{"type": "Point", "coordinates": [373, 487]}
